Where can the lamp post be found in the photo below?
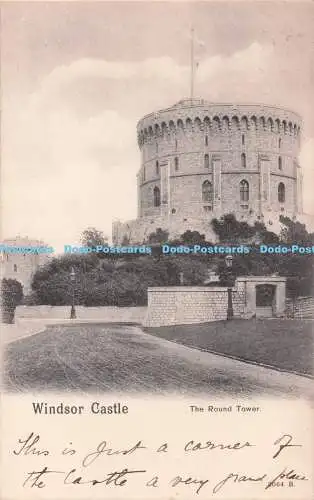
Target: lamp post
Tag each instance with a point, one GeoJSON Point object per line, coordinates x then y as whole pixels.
{"type": "Point", "coordinates": [72, 278]}
{"type": "Point", "coordinates": [181, 278]}
{"type": "Point", "coordinates": [228, 261]}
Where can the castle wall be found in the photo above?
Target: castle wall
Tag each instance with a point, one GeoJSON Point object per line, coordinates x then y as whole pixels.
{"type": "Point", "coordinates": [137, 231]}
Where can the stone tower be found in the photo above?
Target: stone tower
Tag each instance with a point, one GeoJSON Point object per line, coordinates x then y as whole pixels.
{"type": "Point", "coordinates": [201, 160]}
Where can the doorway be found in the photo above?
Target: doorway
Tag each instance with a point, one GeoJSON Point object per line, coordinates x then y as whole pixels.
{"type": "Point", "coordinates": [265, 300]}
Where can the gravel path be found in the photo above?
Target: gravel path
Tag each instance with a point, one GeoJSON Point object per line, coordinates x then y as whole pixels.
{"type": "Point", "coordinates": [99, 358]}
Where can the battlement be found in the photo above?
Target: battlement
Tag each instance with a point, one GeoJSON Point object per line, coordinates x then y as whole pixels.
{"type": "Point", "coordinates": [199, 115]}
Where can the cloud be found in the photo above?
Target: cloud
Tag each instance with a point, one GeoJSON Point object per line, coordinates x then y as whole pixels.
{"type": "Point", "coordinates": [70, 154]}
{"type": "Point", "coordinates": [150, 69]}
{"type": "Point", "coordinates": [254, 60]}
{"type": "Point", "coordinates": [307, 161]}
{"type": "Point", "coordinates": [249, 65]}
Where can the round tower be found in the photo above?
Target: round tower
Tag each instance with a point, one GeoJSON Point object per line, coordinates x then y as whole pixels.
{"type": "Point", "coordinates": [205, 160]}
{"type": "Point", "coordinates": [201, 160]}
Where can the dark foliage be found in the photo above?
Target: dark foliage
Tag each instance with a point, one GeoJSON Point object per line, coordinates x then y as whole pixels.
{"type": "Point", "coordinates": [11, 296]}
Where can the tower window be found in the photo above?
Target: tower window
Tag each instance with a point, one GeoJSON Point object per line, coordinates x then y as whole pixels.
{"type": "Point", "coordinates": [156, 197]}
{"type": "Point", "coordinates": [157, 167]}
{"type": "Point", "coordinates": [207, 192]}
{"type": "Point", "coordinates": [281, 192]}
{"type": "Point", "coordinates": [206, 140]}
{"type": "Point", "coordinates": [15, 268]}
{"type": "Point", "coordinates": [176, 163]}
{"type": "Point", "coordinates": [243, 140]}
{"type": "Point", "coordinates": [280, 163]}
{"type": "Point", "coordinates": [244, 191]}
{"type": "Point", "coordinates": [156, 147]}
{"type": "Point", "coordinates": [279, 143]}
{"type": "Point", "coordinates": [243, 160]}
{"type": "Point", "coordinates": [206, 161]}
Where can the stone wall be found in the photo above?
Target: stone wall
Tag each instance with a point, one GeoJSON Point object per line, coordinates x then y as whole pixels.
{"type": "Point", "coordinates": [110, 314]}
{"type": "Point", "coordinates": [302, 308]}
{"type": "Point", "coordinates": [199, 304]}
{"type": "Point", "coordinates": [188, 305]}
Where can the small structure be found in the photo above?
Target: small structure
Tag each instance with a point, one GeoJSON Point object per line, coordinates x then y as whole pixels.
{"type": "Point", "coordinates": [21, 264]}
{"type": "Point", "coordinates": [252, 296]}
{"type": "Point", "coordinates": [265, 296]}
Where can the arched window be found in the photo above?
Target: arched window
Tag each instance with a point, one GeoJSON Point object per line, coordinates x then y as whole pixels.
{"type": "Point", "coordinates": [176, 163]}
{"type": "Point", "coordinates": [244, 191]}
{"type": "Point", "coordinates": [206, 161]}
{"type": "Point", "coordinates": [206, 140]}
{"type": "Point", "coordinates": [15, 268]}
{"type": "Point", "coordinates": [243, 160]}
{"type": "Point", "coordinates": [176, 144]}
{"type": "Point", "coordinates": [280, 163]}
{"type": "Point", "coordinates": [243, 140]}
{"type": "Point", "coordinates": [279, 143]}
{"type": "Point", "coordinates": [157, 167]}
{"type": "Point", "coordinates": [281, 192]}
{"type": "Point", "coordinates": [156, 197]}
{"type": "Point", "coordinates": [207, 192]}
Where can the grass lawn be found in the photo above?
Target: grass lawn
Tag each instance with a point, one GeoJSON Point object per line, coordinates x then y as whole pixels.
{"type": "Point", "coordinates": [280, 343]}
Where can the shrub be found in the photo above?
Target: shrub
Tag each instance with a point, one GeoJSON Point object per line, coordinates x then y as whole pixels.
{"type": "Point", "coordinates": [11, 296]}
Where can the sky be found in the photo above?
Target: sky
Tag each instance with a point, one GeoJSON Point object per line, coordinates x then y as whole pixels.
{"type": "Point", "coordinates": [77, 76]}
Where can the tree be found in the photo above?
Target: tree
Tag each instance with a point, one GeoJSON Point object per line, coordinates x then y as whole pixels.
{"type": "Point", "coordinates": [11, 296]}
{"type": "Point", "coordinates": [51, 282]}
{"type": "Point", "coordinates": [91, 237]}
{"type": "Point", "coordinates": [230, 230]}
{"type": "Point", "coordinates": [159, 236]}
{"type": "Point", "coordinates": [294, 232]}
{"type": "Point", "coordinates": [125, 241]}
{"type": "Point", "coordinates": [192, 238]}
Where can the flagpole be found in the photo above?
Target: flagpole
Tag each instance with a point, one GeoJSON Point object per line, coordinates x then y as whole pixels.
{"type": "Point", "coordinates": [192, 63]}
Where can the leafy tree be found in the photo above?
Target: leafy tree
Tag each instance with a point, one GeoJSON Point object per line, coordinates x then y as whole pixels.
{"type": "Point", "coordinates": [51, 282]}
{"type": "Point", "coordinates": [262, 235]}
{"type": "Point", "coordinates": [295, 232]}
{"type": "Point", "coordinates": [91, 237]}
{"type": "Point", "coordinates": [159, 236]}
{"type": "Point", "coordinates": [11, 296]}
{"type": "Point", "coordinates": [191, 238]}
{"type": "Point", "coordinates": [230, 230]}
{"type": "Point", "coordinates": [125, 241]}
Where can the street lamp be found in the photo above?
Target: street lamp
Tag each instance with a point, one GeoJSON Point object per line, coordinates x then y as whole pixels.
{"type": "Point", "coordinates": [72, 278]}
{"type": "Point", "coordinates": [228, 261]}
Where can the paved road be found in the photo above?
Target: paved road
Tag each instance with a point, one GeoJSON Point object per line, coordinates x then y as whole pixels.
{"type": "Point", "coordinates": [98, 358]}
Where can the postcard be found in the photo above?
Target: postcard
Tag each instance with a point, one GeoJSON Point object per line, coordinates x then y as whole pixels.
{"type": "Point", "coordinates": [157, 250]}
